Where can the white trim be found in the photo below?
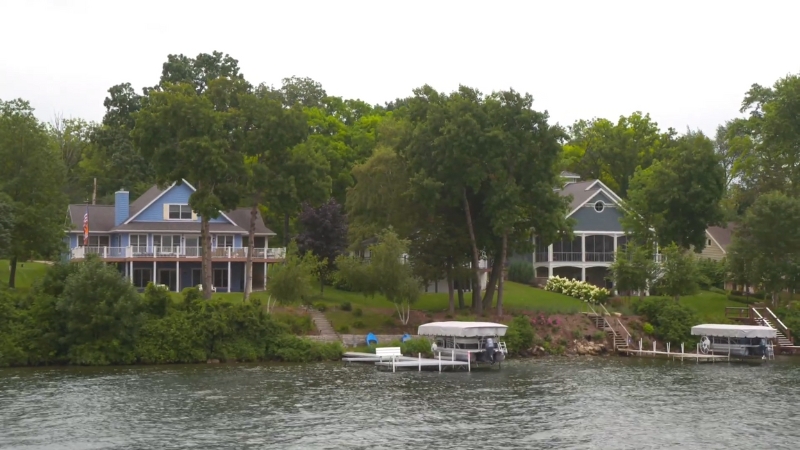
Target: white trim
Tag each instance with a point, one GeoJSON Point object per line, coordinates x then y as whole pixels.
{"type": "Point", "coordinates": [588, 233]}
{"type": "Point", "coordinates": [614, 196]}
{"type": "Point", "coordinates": [222, 213]}
{"type": "Point", "coordinates": [183, 181]}
{"type": "Point", "coordinates": [191, 215]}
{"type": "Point", "coordinates": [602, 206]}
{"type": "Point", "coordinates": [242, 233]}
{"type": "Point", "coordinates": [591, 197]}
{"type": "Point", "coordinates": [715, 241]}
{"type": "Point", "coordinates": [149, 204]}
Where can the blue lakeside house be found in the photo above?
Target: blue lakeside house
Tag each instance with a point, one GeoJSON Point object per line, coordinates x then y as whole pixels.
{"type": "Point", "coordinates": [156, 238]}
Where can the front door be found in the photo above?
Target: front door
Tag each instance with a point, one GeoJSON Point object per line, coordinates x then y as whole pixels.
{"type": "Point", "coordinates": [167, 277]}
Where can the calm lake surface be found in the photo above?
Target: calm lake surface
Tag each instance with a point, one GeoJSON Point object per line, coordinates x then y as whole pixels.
{"type": "Point", "coordinates": [563, 403]}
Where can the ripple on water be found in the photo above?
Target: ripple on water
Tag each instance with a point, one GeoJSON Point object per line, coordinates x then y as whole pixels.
{"type": "Point", "coordinates": [626, 403]}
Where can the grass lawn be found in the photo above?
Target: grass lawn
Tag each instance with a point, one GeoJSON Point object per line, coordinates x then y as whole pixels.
{"type": "Point", "coordinates": [27, 273]}
{"type": "Point", "coordinates": [709, 306]}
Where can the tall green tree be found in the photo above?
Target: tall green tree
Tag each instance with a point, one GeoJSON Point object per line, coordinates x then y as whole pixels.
{"type": "Point", "coordinates": [73, 139]}
{"type": "Point", "coordinates": [611, 152]}
{"type": "Point", "coordinates": [189, 136]}
{"type": "Point", "coordinates": [32, 177]}
{"type": "Point", "coordinates": [6, 224]}
{"type": "Point", "coordinates": [634, 269]}
{"type": "Point", "coordinates": [267, 134]}
{"type": "Point", "coordinates": [291, 282]}
{"type": "Point", "coordinates": [678, 274]}
{"type": "Point", "coordinates": [679, 196]}
{"type": "Point", "coordinates": [387, 273]}
{"type": "Point", "coordinates": [324, 236]}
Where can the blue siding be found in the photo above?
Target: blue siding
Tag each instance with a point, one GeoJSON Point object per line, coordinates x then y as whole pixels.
{"type": "Point", "coordinates": [587, 219]}
{"type": "Point", "coordinates": [121, 207]}
{"type": "Point", "coordinates": [178, 194]}
{"type": "Point", "coordinates": [237, 241]}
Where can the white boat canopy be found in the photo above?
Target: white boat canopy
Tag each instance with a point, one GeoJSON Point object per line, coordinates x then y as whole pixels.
{"type": "Point", "coordinates": [734, 331]}
{"type": "Point", "coordinates": [462, 329]}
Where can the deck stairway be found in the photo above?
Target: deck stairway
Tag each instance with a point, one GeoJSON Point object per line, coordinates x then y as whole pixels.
{"type": "Point", "coordinates": [761, 314]}
{"type": "Point", "coordinates": [619, 336]}
{"type": "Point", "coordinates": [783, 341]}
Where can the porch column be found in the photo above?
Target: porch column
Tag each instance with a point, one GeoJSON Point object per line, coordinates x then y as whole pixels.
{"type": "Point", "coordinates": [583, 250]}
{"type": "Point", "coordinates": [265, 275]}
{"type": "Point", "coordinates": [130, 272]}
{"type": "Point", "coordinates": [583, 273]}
{"type": "Point", "coordinates": [615, 244]}
{"type": "Point", "coordinates": [154, 278]}
{"type": "Point", "coordinates": [550, 253]}
{"type": "Point", "coordinates": [549, 271]}
{"type": "Point", "coordinates": [177, 276]}
{"type": "Point", "coordinates": [229, 275]}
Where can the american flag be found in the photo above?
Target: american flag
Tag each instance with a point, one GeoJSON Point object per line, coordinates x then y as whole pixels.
{"type": "Point", "coordinates": [86, 227]}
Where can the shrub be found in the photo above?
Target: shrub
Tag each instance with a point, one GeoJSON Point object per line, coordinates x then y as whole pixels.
{"type": "Point", "coordinates": [156, 300]}
{"type": "Point", "coordinates": [346, 306]}
{"type": "Point", "coordinates": [295, 324]}
{"type": "Point", "coordinates": [320, 307]}
{"type": "Point", "coordinates": [358, 312]}
{"type": "Point", "coordinates": [359, 325]}
{"type": "Point", "coordinates": [519, 336]}
{"type": "Point", "coordinates": [415, 346]}
{"type": "Point", "coordinates": [343, 329]}
{"type": "Point", "coordinates": [671, 321]}
{"type": "Point", "coordinates": [520, 272]}
{"type": "Point", "coordinates": [289, 348]}
{"type": "Point", "coordinates": [742, 299]}
{"type": "Point", "coordinates": [648, 329]}
{"type": "Point", "coordinates": [577, 289]}
{"type": "Point", "coordinates": [577, 334]}
{"type": "Point", "coordinates": [599, 336]}
{"type": "Point", "coordinates": [389, 322]}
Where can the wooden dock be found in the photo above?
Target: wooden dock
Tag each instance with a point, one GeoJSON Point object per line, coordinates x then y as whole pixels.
{"type": "Point", "coordinates": [406, 362]}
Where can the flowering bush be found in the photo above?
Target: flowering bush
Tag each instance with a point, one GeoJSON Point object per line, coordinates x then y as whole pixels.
{"type": "Point", "coordinates": [578, 289]}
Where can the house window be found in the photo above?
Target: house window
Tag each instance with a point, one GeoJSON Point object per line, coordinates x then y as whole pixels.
{"type": "Point", "coordinates": [708, 242]}
{"type": "Point", "coordinates": [139, 240]}
{"type": "Point", "coordinates": [167, 240]}
{"type": "Point", "coordinates": [180, 212]}
{"type": "Point", "coordinates": [95, 241]}
{"type": "Point", "coordinates": [599, 206]}
{"type": "Point", "coordinates": [141, 277]}
{"type": "Point", "coordinates": [224, 241]}
{"type": "Point", "coordinates": [221, 278]}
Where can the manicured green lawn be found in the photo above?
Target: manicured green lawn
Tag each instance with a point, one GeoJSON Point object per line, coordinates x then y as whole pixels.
{"type": "Point", "coordinates": [27, 273]}
{"type": "Point", "coordinates": [709, 306]}
{"type": "Point", "coordinates": [517, 297]}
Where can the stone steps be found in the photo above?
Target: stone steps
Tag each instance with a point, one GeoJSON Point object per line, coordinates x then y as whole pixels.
{"type": "Point", "coordinates": [323, 325]}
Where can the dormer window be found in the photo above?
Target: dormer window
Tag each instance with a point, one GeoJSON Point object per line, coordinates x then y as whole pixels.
{"type": "Point", "coordinates": [599, 206]}
{"type": "Point", "coordinates": [180, 212]}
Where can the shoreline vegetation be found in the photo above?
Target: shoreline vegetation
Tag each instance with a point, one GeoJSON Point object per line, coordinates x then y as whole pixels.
{"type": "Point", "coordinates": [85, 314]}
{"type": "Point", "coordinates": [374, 204]}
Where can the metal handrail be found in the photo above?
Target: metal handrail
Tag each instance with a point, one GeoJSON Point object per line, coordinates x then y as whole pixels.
{"type": "Point", "coordinates": [757, 313]}
{"type": "Point", "coordinates": [776, 318]}
{"type": "Point", "coordinates": [604, 309]}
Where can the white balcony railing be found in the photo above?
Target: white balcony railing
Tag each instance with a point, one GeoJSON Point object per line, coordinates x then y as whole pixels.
{"type": "Point", "coordinates": [175, 252]}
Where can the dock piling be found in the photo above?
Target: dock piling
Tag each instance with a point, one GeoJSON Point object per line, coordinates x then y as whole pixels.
{"type": "Point", "coordinates": [419, 355]}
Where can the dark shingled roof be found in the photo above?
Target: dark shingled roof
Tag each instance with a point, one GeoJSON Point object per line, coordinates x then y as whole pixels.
{"type": "Point", "coordinates": [722, 235]}
{"type": "Point", "coordinates": [579, 193]}
{"type": "Point", "coordinates": [242, 218]}
{"type": "Point", "coordinates": [180, 227]}
{"type": "Point", "coordinates": [149, 195]}
{"type": "Point", "coordinates": [101, 217]}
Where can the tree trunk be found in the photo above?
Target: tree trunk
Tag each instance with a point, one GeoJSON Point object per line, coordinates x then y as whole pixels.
{"type": "Point", "coordinates": [460, 296]}
{"type": "Point", "coordinates": [488, 296]}
{"type": "Point", "coordinates": [477, 305]}
{"type": "Point", "coordinates": [451, 309]}
{"type": "Point", "coordinates": [12, 273]}
{"type": "Point", "coordinates": [248, 265]}
{"type": "Point", "coordinates": [501, 282]}
{"type": "Point", "coordinates": [286, 230]}
{"type": "Point", "coordinates": [205, 236]}
{"type": "Point", "coordinates": [322, 283]}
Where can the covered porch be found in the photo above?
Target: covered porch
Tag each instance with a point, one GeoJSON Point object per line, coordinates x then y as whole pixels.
{"type": "Point", "coordinates": [177, 275]}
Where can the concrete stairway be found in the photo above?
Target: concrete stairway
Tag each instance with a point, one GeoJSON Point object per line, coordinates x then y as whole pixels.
{"type": "Point", "coordinates": [326, 331]}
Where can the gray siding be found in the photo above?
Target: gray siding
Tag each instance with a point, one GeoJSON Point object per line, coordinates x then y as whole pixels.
{"type": "Point", "coordinates": [587, 219]}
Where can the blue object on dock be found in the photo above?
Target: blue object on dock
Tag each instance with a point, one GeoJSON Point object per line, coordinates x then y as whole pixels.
{"type": "Point", "coordinates": [371, 339]}
{"type": "Point", "coordinates": [405, 337]}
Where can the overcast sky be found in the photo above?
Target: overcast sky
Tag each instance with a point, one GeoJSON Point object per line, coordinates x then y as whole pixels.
{"type": "Point", "coordinates": [687, 63]}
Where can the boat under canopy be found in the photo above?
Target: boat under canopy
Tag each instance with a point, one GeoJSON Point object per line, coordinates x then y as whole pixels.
{"type": "Point", "coordinates": [462, 329]}
{"type": "Point", "coordinates": [734, 331]}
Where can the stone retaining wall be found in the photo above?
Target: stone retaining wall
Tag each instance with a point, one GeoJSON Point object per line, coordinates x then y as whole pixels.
{"type": "Point", "coordinates": [358, 340]}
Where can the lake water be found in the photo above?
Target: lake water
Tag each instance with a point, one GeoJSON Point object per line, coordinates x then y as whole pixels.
{"type": "Point", "coordinates": [557, 403]}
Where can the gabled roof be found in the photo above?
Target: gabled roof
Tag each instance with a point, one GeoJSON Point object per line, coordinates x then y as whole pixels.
{"type": "Point", "coordinates": [145, 199]}
{"type": "Point", "coordinates": [151, 192]}
{"type": "Point", "coordinates": [722, 235]}
{"type": "Point", "coordinates": [241, 216]}
{"type": "Point", "coordinates": [101, 217]}
{"type": "Point", "coordinates": [583, 192]}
